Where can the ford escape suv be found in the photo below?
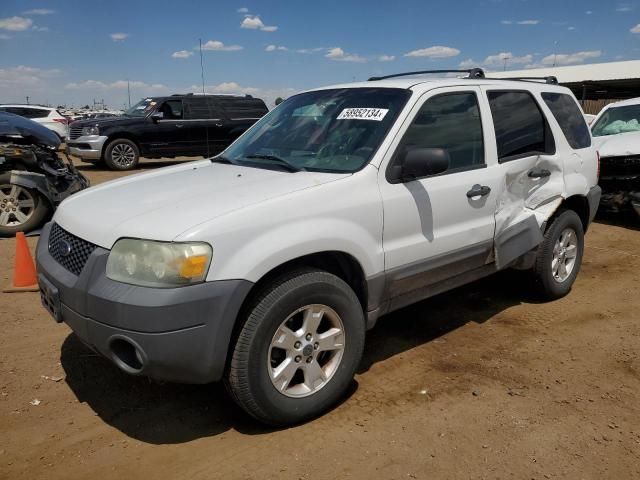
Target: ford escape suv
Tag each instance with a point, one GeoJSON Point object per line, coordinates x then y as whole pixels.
{"type": "Point", "coordinates": [267, 263]}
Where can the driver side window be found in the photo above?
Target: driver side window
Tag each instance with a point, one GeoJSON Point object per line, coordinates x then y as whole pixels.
{"type": "Point", "coordinates": [171, 110]}
{"type": "Point", "coordinates": [450, 121]}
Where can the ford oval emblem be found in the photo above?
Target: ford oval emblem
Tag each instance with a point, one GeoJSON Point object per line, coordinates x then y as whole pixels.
{"type": "Point", "coordinates": [64, 248]}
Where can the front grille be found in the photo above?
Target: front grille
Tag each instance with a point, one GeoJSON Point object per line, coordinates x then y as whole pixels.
{"type": "Point", "coordinates": [68, 250]}
{"type": "Point", "coordinates": [74, 132]}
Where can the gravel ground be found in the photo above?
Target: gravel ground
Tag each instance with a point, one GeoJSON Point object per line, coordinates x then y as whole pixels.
{"type": "Point", "coordinates": [482, 382]}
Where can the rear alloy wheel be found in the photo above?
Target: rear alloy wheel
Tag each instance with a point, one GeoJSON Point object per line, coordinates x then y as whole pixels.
{"type": "Point", "coordinates": [298, 348]}
{"type": "Point", "coordinates": [21, 209]}
{"type": "Point", "coordinates": [560, 255]}
{"type": "Point", "coordinates": [122, 154]}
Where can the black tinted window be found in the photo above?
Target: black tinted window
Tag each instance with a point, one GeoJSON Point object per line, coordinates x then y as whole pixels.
{"type": "Point", "coordinates": [451, 122]}
{"type": "Point", "coordinates": [238, 108]}
{"type": "Point", "coordinates": [570, 118]}
{"type": "Point", "coordinates": [197, 109]}
{"type": "Point", "coordinates": [171, 109]}
{"type": "Point", "coordinates": [520, 126]}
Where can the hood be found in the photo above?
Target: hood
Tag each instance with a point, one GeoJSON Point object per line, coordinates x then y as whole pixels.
{"type": "Point", "coordinates": [618, 145]}
{"type": "Point", "coordinates": [108, 121]}
{"type": "Point", "coordinates": [14, 125]}
{"type": "Point", "coordinates": [165, 203]}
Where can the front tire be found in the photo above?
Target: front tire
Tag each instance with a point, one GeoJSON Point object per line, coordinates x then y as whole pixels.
{"type": "Point", "coordinates": [21, 209]}
{"type": "Point", "coordinates": [559, 256]}
{"type": "Point", "coordinates": [298, 348]}
{"type": "Point", "coordinates": [122, 154]}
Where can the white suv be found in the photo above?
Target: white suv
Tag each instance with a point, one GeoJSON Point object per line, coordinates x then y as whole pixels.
{"type": "Point", "coordinates": [47, 116]}
{"type": "Point", "coordinates": [265, 266]}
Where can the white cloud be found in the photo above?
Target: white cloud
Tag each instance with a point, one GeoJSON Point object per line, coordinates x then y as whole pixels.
{"type": "Point", "coordinates": [570, 58]}
{"type": "Point", "coordinates": [635, 29]}
{"type": "Point", "coordinates": [181, 54]}
{"type": "Point", "coordinates": [243, 10]}
{"type": "Point", "coordinates": [386, 58]}
{"type": "Point", "coordinates": [253, 22]}
{"type": "Point", "coordinates": [118, 37]}
{"type": "Point", "coordinates": [39, 11]}
{"type": "Point", "coordinates": [23, 76]}
{"type": "Point", "coordinates": [117, 85]}
{"type": "Point", "coordinates": [499, 58]}
{"type": "Point", "coordinates": [340, 55]}
{"type": "Point", "coordinates": [434, 52]}
{"type": "Point", "coordinates": [310, 50]}
{"type": "Point", "coordinates": [218, 46]}
{"type": "Point", "coordinates": [588, 12]}
{"type": "Point", "coordinates": [468, 63]}
{"type": "Point", "coordinates": [506, 22]}
{"type": "Point", "coordinates": [15, 24]}
{"type": "Point", "coordinates": [624, 7]}
{"type": "Point", "coordinates": [273, 48]}
{"type": "Point", "coordinates": [40, 29]}
{"type": "Point", "coordinates": [528, 22]}
{"type": "Point", "coordinates": [571, 28]}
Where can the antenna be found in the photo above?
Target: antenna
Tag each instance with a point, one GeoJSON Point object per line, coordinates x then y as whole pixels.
{"type": "Point", "coordinates": [202, 77]}
{"type": "Point", "coordinates": [129, 93]}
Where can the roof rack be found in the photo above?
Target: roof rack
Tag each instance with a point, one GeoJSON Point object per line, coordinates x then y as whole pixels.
{"type": "Point", "coordinates": [472, 72]}
{"type": "Point", "coordinates": [551, 80]}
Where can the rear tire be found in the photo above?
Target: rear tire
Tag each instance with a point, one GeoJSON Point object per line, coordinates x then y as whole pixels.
{"type": "Point", "coordinates": [298, 348]}
{"type": "Point", "coordinates": [21, 209]}
{"type": "Point", "coordinates": [559, 256]}
{"type": "Point", "coordinates": [122, 154]}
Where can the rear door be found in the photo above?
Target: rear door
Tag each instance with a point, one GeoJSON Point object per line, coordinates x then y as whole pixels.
{"type": "Point", "coordinates": [532, 171]}
{"type": "Point", "coordinates": [241, 112]}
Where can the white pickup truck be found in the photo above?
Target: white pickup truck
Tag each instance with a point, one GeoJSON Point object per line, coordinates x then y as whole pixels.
{"type": "Point", "coordinates": [265, 266]}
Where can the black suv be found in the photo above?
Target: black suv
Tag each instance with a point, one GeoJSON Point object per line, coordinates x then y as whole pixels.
{"type": "Point", "coordinates": [178, 125]}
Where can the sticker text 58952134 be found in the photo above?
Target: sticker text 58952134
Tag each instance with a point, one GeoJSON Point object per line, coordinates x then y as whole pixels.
{"type": "Point", "coordinates": [375, 114]}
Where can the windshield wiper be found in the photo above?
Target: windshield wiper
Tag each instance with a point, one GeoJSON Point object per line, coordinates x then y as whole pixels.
{"type": "Point", "coordinates": [220, 159]}
{"type": "Point", "coordinates": [280, 161]}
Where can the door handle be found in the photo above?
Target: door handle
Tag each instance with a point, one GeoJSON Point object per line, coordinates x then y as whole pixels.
{"type": "Point", "coordinates": [179, 125]}
{"type": "Point", "coordinates": [478, 191]}
{"type": "Point", "coordinates": [541, 173]}
{"type": "Point", "coordinates": [217, 125]}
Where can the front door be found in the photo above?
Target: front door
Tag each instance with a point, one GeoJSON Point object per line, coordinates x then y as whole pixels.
{"type": "Point", "coordinates": [170, 135]}
{"type": "Point", "coordinates": [441, 226]}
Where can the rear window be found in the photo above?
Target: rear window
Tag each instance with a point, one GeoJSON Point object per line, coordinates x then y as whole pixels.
{"type": "Point", "coordinates": [521, 129]}
{"type": "Point", "coordinates": [570, 118]}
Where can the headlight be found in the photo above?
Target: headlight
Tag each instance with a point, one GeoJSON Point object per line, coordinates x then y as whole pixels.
{"type": "Point", "coordinates": [158, 264]}
{"type": "Point", "coordinates": [92, 130]}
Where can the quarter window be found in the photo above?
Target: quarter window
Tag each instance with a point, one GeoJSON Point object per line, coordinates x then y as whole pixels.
{"type": "Point", "coordinates": [570, 118]}
{"type": "Point", "coordinates": [450, 121]}
{"type": "Point", "coordinates": [521, 129]}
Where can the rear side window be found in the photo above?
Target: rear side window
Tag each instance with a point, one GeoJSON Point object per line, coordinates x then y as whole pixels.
{"type": "Point", "coordinates": [197, 109]}
{"type": "Point", "coordinates": [570, 118]}
{"type": "Point", "coordinates": [239, 108]}
{"type": "Point", "coordinates": [521, 129]}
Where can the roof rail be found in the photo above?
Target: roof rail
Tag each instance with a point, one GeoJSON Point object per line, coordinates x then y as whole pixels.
{"type": "Point", "coordinates": [472, 72]}
{"type": "Point", "coordinates": [551, 80]}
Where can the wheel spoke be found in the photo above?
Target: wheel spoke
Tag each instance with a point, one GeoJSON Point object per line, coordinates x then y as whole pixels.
{"type": "Point", "coordinates": [283, 373]}
{"type": "Point", "coordinates": [572, 251]}
{"type": "Point", "coordinates": [313, 375]}
{"type": "Point", "coordinates": [13, 193]}
{"type": "Point", "coordinates": [554, 266]}
{"type": "Point", "coordinates": [21, 217]}
{"type": "Point", "coordinates": [26, 203]}
{"type": "Point", "coordinates": [562, 270]}
{"type": "Point", "coordinates": [284, 338]}
{"type": "Point", "coordinates": [311, 320]}
{"type": "Point", "coordinates": [332, 339]}
{"type": "Point", "coordinates": [4, 218]}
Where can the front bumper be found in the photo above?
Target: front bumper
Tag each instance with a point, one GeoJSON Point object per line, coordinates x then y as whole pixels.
{"type": "Point", "coordinates": [175, 334]}
{"type": "Point", "coordinates": [87, 147]}
{"type": "Point", "coordinates": [593, 199]}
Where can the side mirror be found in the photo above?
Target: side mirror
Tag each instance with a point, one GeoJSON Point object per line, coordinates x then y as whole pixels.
{"type": "Point", "coordinates": [155, 116]}
{"type": "Point", "coordinates": [423, 162]}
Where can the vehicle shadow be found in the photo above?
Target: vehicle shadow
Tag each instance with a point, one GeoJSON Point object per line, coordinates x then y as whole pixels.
{"type": "Point", "coordinates": [626, 219]}
{"type": "Point", "coordinates": [161, 413]}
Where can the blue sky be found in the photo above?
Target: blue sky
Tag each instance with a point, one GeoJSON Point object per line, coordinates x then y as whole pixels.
{"type": "Point", "coordinates": [74, 51]}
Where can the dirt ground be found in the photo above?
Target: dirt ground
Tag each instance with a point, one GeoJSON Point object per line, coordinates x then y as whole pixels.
{"type": "Point", "coordinates": [482, 382]}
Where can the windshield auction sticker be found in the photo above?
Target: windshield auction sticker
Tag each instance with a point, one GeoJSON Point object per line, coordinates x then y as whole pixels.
{"type": "Point", "coordinates": [376, 114]}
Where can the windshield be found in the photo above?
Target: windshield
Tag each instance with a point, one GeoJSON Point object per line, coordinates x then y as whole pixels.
{"type": "Point", "coordinates": [328, 130]}
{"type": "Point", "coordinates": [142, 108]}
{"type": "Point", "coordinates": [618, 120]}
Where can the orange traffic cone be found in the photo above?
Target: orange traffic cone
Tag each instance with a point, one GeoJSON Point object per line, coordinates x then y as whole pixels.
{"type": "Point", "coordinates": [24, 275]}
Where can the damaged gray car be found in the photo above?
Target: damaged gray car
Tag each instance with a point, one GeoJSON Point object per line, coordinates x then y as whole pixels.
{"type": "Point", "coordinates": [33, 178]}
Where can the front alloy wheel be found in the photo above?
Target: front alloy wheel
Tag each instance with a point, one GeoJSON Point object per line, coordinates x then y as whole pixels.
{"type": "Point", "coordinates": [306, 350]}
